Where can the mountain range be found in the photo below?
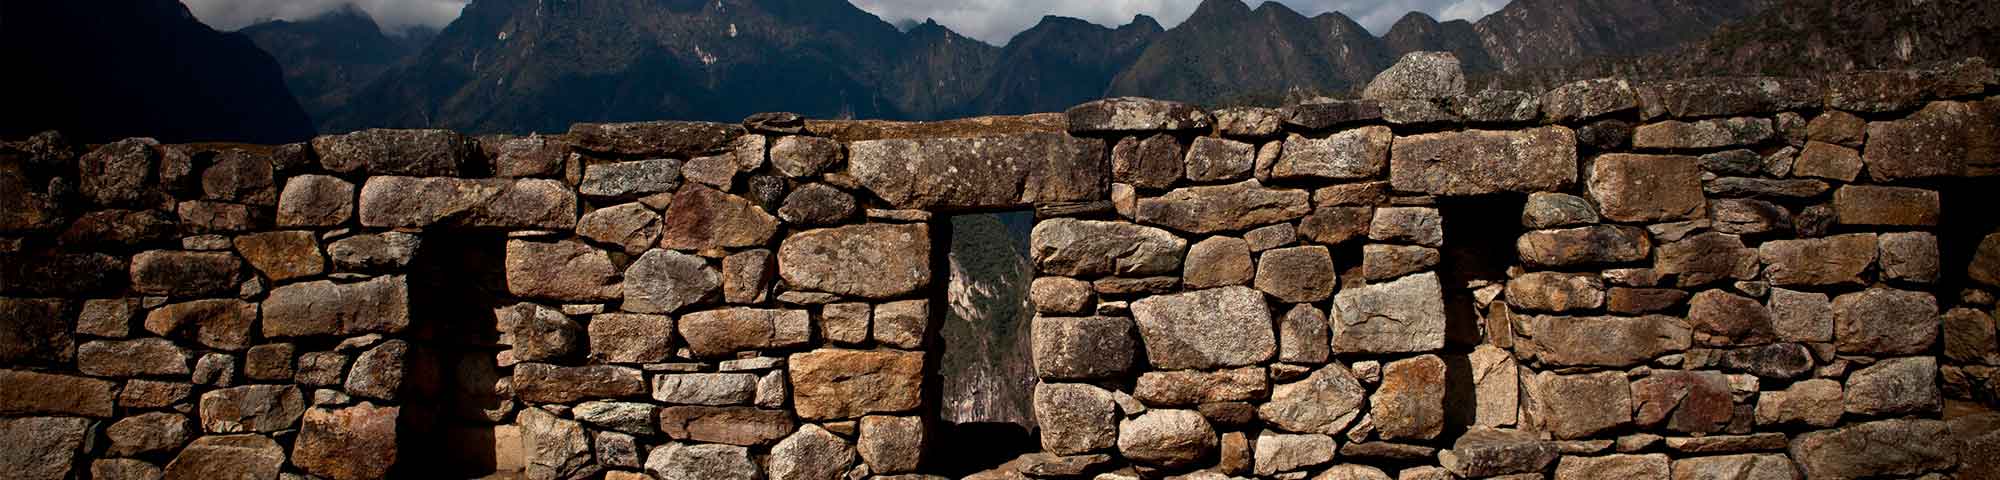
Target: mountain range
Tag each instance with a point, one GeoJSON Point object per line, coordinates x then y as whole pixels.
{"type": "Point", "coordinates": [517, 66]}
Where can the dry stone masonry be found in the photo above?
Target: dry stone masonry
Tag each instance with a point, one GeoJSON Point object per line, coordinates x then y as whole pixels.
{"type": "Point", "coordinates": [1746, 278]}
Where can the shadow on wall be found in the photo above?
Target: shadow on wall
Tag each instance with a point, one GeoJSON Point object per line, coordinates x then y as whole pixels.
{"type": "Point", "coordinates": [465, 427]}
{"type": "Point", "coordinates": [1478, 249]}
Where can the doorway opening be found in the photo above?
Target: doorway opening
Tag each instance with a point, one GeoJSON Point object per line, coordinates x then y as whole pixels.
{"type": "Point", "coordinates": [984, 350]}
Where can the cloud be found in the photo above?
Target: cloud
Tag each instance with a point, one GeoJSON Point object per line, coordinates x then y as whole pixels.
{"type": "Point", "coordinates": [393, 15]}
{"type": "Point", "coordinates": [995, 21]}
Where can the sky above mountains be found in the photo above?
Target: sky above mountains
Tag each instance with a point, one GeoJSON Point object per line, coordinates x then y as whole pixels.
{"type": "Point", "coordinates": [992, 21]}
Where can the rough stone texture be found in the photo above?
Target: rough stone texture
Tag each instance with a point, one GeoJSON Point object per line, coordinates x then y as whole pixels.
{"type": "Point", "coordinates": [1075, 418]}
{"type": "Point", "coordinates": [1215, 262]}
{"type": "Point", "coordinates": [395, 152]}
{"type": "Point", "coordinates": [143, 433]}
{"type": "Point", "coordinates": [1884, 321]}
{"type": "Point", "coordinates": [1126, 114]}
{"type": "Point", "coordinates": [118, 469]}
{"type": "Point", "coordinates": [1943, 139]}
{"type": "Point", "coordinates": [1153, 162]}
{"type": "Point", "coordinates": [992, 171]}
{"type": "Point", "coordinates": [1405, 315]}
{"type": "Point", "coordinates": [374, 252]}
{"type": "Point", "coordinates": [871, 261]}
{"type": "Point", "coordinates": [838, 384]}
{"type": "Point", "coordinates": [132, 358]}
{"type": "Point", "coordinates": [1188, 388]}
{"type": "Point", "coordinates": [1418, 75]}
{"type": "Point", "coordinates": [33, 393]}
{"type": "Point", "coordinates": [1325, 402]}
{"type": "Point", "coordinates": [1337, 225]}
{"type": "Point", "coordinates": [353, 443]}
{"type": "Point", "coordinates": [1887, 447]}
{"type": "Point", "coordinates": [227, 456]}
{"type": "Point", "coordinates": [1222, 327]}
{"type": "Point", "coordinates": [1082, 348]}
{"type": "Point", "coordinates": [1828, 161]}
{"type": "Point", "coordinates": [1749, 217]}
{"type": "Point", "coordinates": [630, 338]}
{"type": "Point", "coordinates": [251, 408]}
{"type": "Point", "coordinates": [628, 417]}
{"type": "Point", "coordinates": [1421, 226]}
{"type": "Point", "coordinates": [817, 204]}
{"type": "Point", "coordinates": [1576, 406]}
{"type": "Point", "coordinates": [630, 226]}
{"type": "Point", "coordinates": [717, 333]}
{"type": "Point", "coordinates": [1647, 188]}
{"type": "Point", "coordinates": [1475, 162]}
{"type": "Point", "coordinates": [1303, 336]}
{"type": "Point", "coordinates": [1555, 292]}
{"type": "Point", "coordinates": [1815, 403]}
{"type": "Point", "coordinates": [664, 281]}
{"type": "Point", "coordinates": [1213, 159]}
{"type": "Point", "coordinates": [556, 448]}
{"type": "Point", "coordinates": [1355, 154]}
{"type": "Point", "coordinates": [1410, 403]}
{"type": "Point", "coordinates": [702, 218]}
{"type": "Point", "coordinates": [1278, 453]}
{"type": "Point", "coordinates": [1908, 256]}
{"type": "Point", "coordinates": [1736, 467]}
{"type": "Point", "coordinates": [1081, 248]}
{"type": "Point", "coordinates": [1583, 100]}
{"type": "Point", "coordinates": [119, 173]}
{"type": "Point", "coordinates": [1721, 319]}
{"type": "Point", "coordinates": [1297, 274]}
{"type": "Point", "coordinates": [1629, 467]}
{"type": "Point", "coordinates": [1495, 386]}
{"type": "Point", "coordinates": [1383, 262]}
{"type": "Point", "coordinates": [1221, 208]}
{"type": "Point", "coordinates": [569, 271]}
{"type": "Point", "coordinates": [802, 156]}
{"type": "Point", "coordinates": [677, 461]}
{"type": "Point", "coordinates": [747, 275]}
{"type": "Point", "coordinates": [544, 383]}
{"type": "Point", "coordinates": [743, 426]}
{"type": "Point", "coordinates": [1697, 402]}
{"type": "Point", "coordinates": [1969, 337]}
{"type": "Point", "coordinates": [1644, 300]}
{"type": "Point", "coordinates": [810, 454]}
{"type": "Point", "coordinates": [184, 274]}
{"type": "Point", "coordinates": [891, 444]}
{"type": "Point", "coordinates": [1894, 386]}
{"type": "Point", "coordinates": [625, 180]}
{"type": "Point", "coordinates": [1552, 210]}
{"type": "Point", "coordinates": [902, 324]}
{"type": "Point", "coordinates": [538, 333]}
{"type": "Point", "coordinates": [1985, 267]}
{"type": "Point", "coordinates": [1886, 206]}
{"type": "Point", "coordinates": [1710, 133]}
{"type": "Point", "coordinates": [1168, 438]}
{"type": "Point", "coordinates": [412, 202]}
{"type": "Point", "coordinates": [1836, 260]}
{"type": "Point", "coordinates": [378, 373]}
{"type": "Point", "coordinates": [1487, 452]}
{"type": "Point", "coordinates": [1592, 245]}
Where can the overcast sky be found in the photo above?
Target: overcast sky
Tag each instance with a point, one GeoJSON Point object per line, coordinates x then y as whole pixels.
{"type": "Point", "coordinates": [993, 21]}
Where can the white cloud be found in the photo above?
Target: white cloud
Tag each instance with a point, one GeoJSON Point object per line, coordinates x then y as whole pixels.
{"type": "Point", "coordinates": [393, 15]}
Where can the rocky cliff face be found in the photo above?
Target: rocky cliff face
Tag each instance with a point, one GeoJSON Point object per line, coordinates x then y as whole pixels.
{"type": "Point", "coordinates": [327, 59]}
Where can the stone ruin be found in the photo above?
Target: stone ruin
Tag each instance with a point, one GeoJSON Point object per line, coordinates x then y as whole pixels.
{"type": "Point", "coordinates": [1745, 278]}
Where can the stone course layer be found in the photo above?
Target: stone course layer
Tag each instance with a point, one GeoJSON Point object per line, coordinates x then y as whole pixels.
{"type": "Point", "coordinates": [1745, 278]}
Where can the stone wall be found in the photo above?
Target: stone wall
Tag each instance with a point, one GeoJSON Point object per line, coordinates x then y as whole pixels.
{"type": "Point", "coordinates": [1719, 278]}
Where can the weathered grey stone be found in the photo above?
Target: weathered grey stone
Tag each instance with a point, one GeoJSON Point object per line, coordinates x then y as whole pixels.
{"type": "Point", "coordinates": [747, 275]}
{"type": "Point", "coordinates": [1063, 295]}
{"type": "Point", "coordinates": [411, 202]}
{"type": "Point", "coordinates": [1944, 139]}
{"type": "Point", "coordinates": [718, 333]}
{"type": "Point", "coordinates": [1221, 208]}
{"type": "Point", "coordinates": [817, 204]}
{"type": "Point", "coordinates": [1383, 262]}
{"type": "Point", "coordinates": [1127, 114]}
{"type": "Point", "coordinates": [120, 228]}
{"type": "Point", "coordinates": [1588, 99]}
{"type": "Point", "coordinates": [1775, 361]}
{"type": "Point", "coordinates": [530, 156]}
{"type": "Point", "coordinates": [147, 433]}
{"type": "Point", "coordinates": [1551, 210]}
{"type": "Point", "coordinates": [1410, 403]}
{"type": "Point", "coordinates": [1908, 256]}
{"type": "Point", "coordinates": [321, 369]}
{"type": "Point", "coordinates": [1250, 122]}
{"type": "Point", "coordinates": [1475, 162]}
{"type": "Point", "coordinates": [902, 324]}
{"type": "Point", "coordinates": [544, 383]}
{"type": "Point", "coordinates": [1894, 386]}
{"type": "Point", "coordinates": [802, 156]}
{"type": "Point", "coordinates": [1749, 217]}
{"type": "Point", "coordinates": [1487, 452]}
{"type": "Point", "coordinates": [557, 449]}
{"type": "Point", "coordinates": [1082, 348]}
{"type": "Point", "coordinates": [131, 358]}
{"type": "Point", "coordinates": [1278, 453]}
{"type": "Point", "coordinates": [1630, 467]}
{"type": "Point", "coordinates": [1816, 402]}
{"type": "Point", "coordinates": [386, 251]}
{"type": "Point", "coordinates": [1709, 133]}
{"type": "Point", "coordinates": [109, 317]}
{"type": "Point", "coordinates": [227, 456]}
{"type": "Point", "coordinates": [1885, 447]}
{"type": "Point", "coordinates": [839, 384]}
{"type": "Point", "coordinates": [1355, 154]}
{"type": "Point", "coordinates": [1733, 162]}
{"type": "Point", "coordinates": [676, 461]}
{"type": "Point", "coordinates": [990, 172]}
{"type": "Point", "coordinates": [1188, 388]}
{"type": "Point", "coordinates": [1647, 188]}
{"type": "Point", "coordinates": [1418, 225]}
{"type": "Point", "coordinates": [1886, 206]}
{"type": "Point", "coordinates": [378, 373]}
{"type": "Point", "coordinates": [1708, 97]}
{"type": "Point", "coordinates": [1556, 292]}
{"type": "Point", "coordinates": [215, 369]}
{"type": "Point", "coordinates": [1697, 402]}
{"type": "Point", "coordinates": [717, 171]}
{"type": "Point", "coordinates": [1721, 319]}
{"type": "Point", "coordinates": [1576, 406]}
{"type": "Point", "coordinates": [1216, 262]}
{"type": "Point", "coordinates": [1337, 225]}
{"type": "Point", "coordinates": [251, 408]}
{"type": "Point", "coordinates": [1605, 134]}
{"type": "Point", "coordinates": [872, 261]}
{"type": "Point", "coordinates": [1592, 245]}
{"type": "Point", "coordinates": [1169, 438]}
{"type": "Point", "coordinates": [1496, 386]}
{"type": "Point", "coordinates": [702, 218]}
{"type": "Point", "coordinates": [891, 444]}
{"type": "Point", "coordinates": [630, 338]}
{"type": "Point", "coordinates": [567, 270]}
{"type": "Point", "coordinates": [184, 274]}
{"type": "Point", "coordinates": [1418, 75]}
{"type": "Point", "coordinates": [1222, 327]}
{"type": "Point", "coordinates": [117, 469]}
{"type": "Point", "coordinates": [1072, 247]}
{"type": "Point", "coordinates": [664, 281]}
{"type": "Point", "coordinates": [1738, 467]}
{"type": "Point", "coordinates": [712, 389]}
{"type": "Point", "coordinates": [119, 173]}
{"type": "Point", "coordinates": [744, 426]}
{"type": "Point", "coordinates": [143, 394]}
{"type": "Point", "coordinates": [1763, 188]}
{"type": "Point", "coordinates": [538, 333]}
{"type": "Point", "coordinates": [1885, 321]}
{"type": "Point", "coordinates": [1213, 159]}
{"type": "Point", "coordinates": [1325, 402]}
{"type": "Point", "coordinates": [630, 226]}
{"type": "Point", "coordinates": [660, 139]}
{"type": "Point", "coordinates": [1405, 315]}
{"type": "Point", "coordinates": [1828, 161]}
{"type": "Point", "coordinates": [352, 443]}
{"type": "Point", "coordinates": [810, 454]}
{"type": "Point", "coordinates": [618, 450]}
{"type": "Point", "coordinates": [1302, 336]}
{"type": "Point", "coordinates": [1297, 274]}
{"type": "Point", "coordinates": [441, 153]}
{"type": "Point", "coordinates": [1835, 260]}
{"type": "Point", "coordinates": [1352, 472]}
{"type": "Point", "coordinates": [1324, 113]}
{"type": "Point", "coordinates": [1075, 418]}
{"type": "Point", "coordinates": [36, 332]}
{"type": "Point", "coordinates": [1153, 162]}
{"type": "Point", "coordinates": [202, 216]}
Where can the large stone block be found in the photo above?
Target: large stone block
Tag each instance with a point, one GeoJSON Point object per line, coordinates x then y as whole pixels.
{"type": "Point", "coordinates": [1710, 97]}
{"type": "Point", "coordinates": [811, 453]}
{"type": "Point", "coordinates": [624, 180]}
{"type": "Point", "coordinates": [380, 305]}
{"type": "Point", "coordinates": [744, 426]}
{"type": "Point", "coordinates": [1739, 467]}
{"type": "Point", "coordinates": [219, 324]}
{"type": "Point", "coordinates": [1080, 248]}
{"type": "Point", "coordinates": [631, 338]}
{"type": "Point", "coordinates": [1405, 315]}
{"type": "Point", "coordinates": [1223, 327]}
{"type": "Point", "coordinates": [1128, 114]}
{"type": "Point", "coordinates": [1410, 403]}
{"type": "Point", "coordinates": [252, 408]}
{"type": "Point", "coordinates": [1577, 406]}
{"type": "Point", "coordinates": [556, 448]}
{"type": "Point", "coordinates": [1835, 260]}
{"type": "Point", "coordinates": [1075, 418]}
{"type": "Point", "coordinates": [1476, 162]}
{"type": "Point", "coordinates": [891, 444]}
{"type": "Point", "coordinates": [1222, 208]}
{"type": "Point", "coordinates": [132, 358]}
{"type": "Point", "coordinates": [665, 281]}
{"type": "Point", "coordinates": [1696, 402]}
{"type": "Point", "coordinates": [719, 333]}
{"type": "Point", "coordinates": [1277, 453]}
{"type": "Point", "coordinates": [567, 270]}
{"type": "Point", "coordinates": [1710, 133]}
{"type": "Point", "coordinates": [1722, 319]}
{"type": "Point", "coordinates": [544, 383]}
{"type": "Point", "coordinates": [1885, 321]}
{"type": "Point", "coordinates": [1356, 154]}
{"type": "Point", "coordinates": [1587, 99]}
{"type": "Point", "coordinates": [1216, 262]}
{"type": "Point", "coordinates": [1627, 467]}
{"type": "Point", "coordinates": [655, 139]}
{"type": "Point", "coordinates": [1487, 452]}
{"type": "Point", "coordinates": [35, 393]}
{"type": "Point", "coordinates": [227, 456]}
{"type": "Point", "coordinates": [353, 443]}
{"type": "Point", "coordinates": [1152, 162]}
{"type": "Point", "coordinates": [702, 218]}
{"type": "Point", "coordinates": [1706, 258]}
{"type": "Point", "coordinates": [1815, 402]}
{"type": "Point", "coordinates": [1898, 447]}
{"type": "Point", "coordinates": [1894, 386]}
{"type": "Point", "coordinates": [873, 261]}
{"type": "Point", "coordinates": [1601, 341]}
{"type": "Point", "coordinates": [413, 202]}
{"type": "Point", "coordinates": [1886, 206]}
{"type": "Point", "coordinates": [43, 448]}
{"type": "Point", "coordinates": [1582, 246]}
{"type": "Point", "coordinates": [1169, 438]}
{"type": "Point", "coordinates": [1496, 386]}
{"type": "Point", "coordinates": [1325, 402]}
{"type": "Point", "coordinates": [999, 171]}
{"type": "Point", "coordinates": [1188, 388]}
{"type": "Point", "coordinates": [1556, 291]}
{"type": "Point", "coordinates": [185, 274]}
{"type": "Point", "coordinates": [831, 384]}
{"type": "Point", "coordinates": [440, 153]}
{"type": "Point", "coordinates": [1083, 348]}
{"type": "Point", "coordinates": [1297, 274]}
{"type": "Point", "coordinates": [1647, 188]}
{"type": "Point", "coordinates": [315, 201]}
{"type": "Point", "coordinates": [1945, 139]}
